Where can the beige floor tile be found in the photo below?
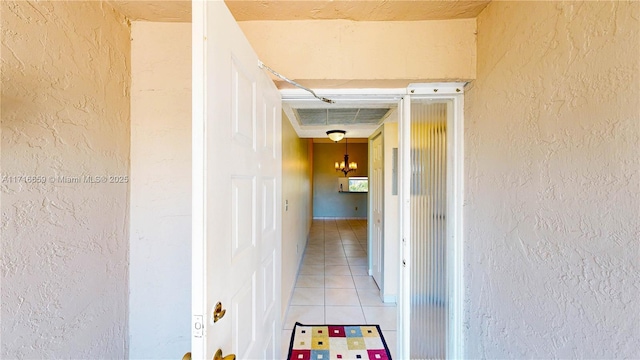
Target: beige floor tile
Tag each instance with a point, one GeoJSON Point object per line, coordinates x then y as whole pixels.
{"type": "Point", "coordinates": [338, 282]}
{"type": "Point", "coordinates": [335, 254]}
{"type": "Point", "coordinates": [308, 296]}
{"type": "Point", "coordinates": [335, 260]}
{"type": "Point", "coordinates": [355, 253]}
{"type": "Point", "coordinates": [313, 261]}
{"type": "Point", "coordinates": [365, 282]}
{"type": "Point", "coordinates": [385, 316]}
{"type": "Point", "coordinates": [350, 242]}
{"type": "Point", "coordinates": [342, 297]}
{"type": "Point", "coordinates": [307, 269]}
{"type": "Point", "coordinates": [313, 258]}
{"type": "Point", "coordinates": [286, 341]}
{"type": "Point", "coordinates": [391, 338]}
{"type": "Point", "coordinates": [352, 247]}
{"type": "Point", "coordinates": [344, 315]}
{"type": "Point", "coordinates": [347, 234]}
{"type": "Point", "coordinates": [371, 297]}
{"type": "Point", "coordinates": [333, 246]}
{"type": "Point", "coordinates": [357, 261]}
{"type": "Point", "coordinates": [337, 270]}
{"type": "Point", "coordinates": [314, 248]}
{"type": "Point", "coordinates": [304, 314]}
{"type": "Point", "coordinates": [359, 271]}
{"type": "Point", "coordinates": [310, 281]}
{"type": "Point", "coordinates": [334, 250]}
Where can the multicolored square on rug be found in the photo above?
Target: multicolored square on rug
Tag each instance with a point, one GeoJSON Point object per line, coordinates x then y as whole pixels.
{"type": "Point", "coordinates": [338, 342]}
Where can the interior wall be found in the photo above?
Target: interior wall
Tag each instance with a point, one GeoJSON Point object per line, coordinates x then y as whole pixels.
{"type": "Point", "coordinates": [552, 214]}
{"type": "Point", "coordinates": [65, 171]}
{"type": "Point", "coordinates": [391, 248]}
{"type": "Point", "coordinates": [327, 201]}
{"type": "Point", "coordinates": [160, 235]}
{"type": "Point", "coordinates": [333, 53]}
{"type": "Point", "coordinates": [297, 206]}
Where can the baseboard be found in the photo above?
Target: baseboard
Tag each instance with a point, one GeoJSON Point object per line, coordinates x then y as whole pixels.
{"type": "Point", "coordinates": [338, 218]}
{"type": "Point", "coordinates": [390, 299]}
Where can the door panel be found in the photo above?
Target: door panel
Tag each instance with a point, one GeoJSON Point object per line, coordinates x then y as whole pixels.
{"type": "Point", "coordinates": [243, 94]}
{"type": "Point", "coordinates": [244, 319]}
{"type": "Point", "coordinates": [269, 283]}
{"type": "Point", "coordinates": [242, 219]}
{"type": "Point", "coordinates": [237, 192]}
{"type": "Point", "coordinates": [268, 205]}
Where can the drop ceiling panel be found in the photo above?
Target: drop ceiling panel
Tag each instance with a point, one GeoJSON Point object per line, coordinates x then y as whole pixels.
{"type": "Point", "coordinates": [340, 116]}
{"type": "Point", "coordinates": [312, 116]}
{"type": "Point", "coordinates": [371, 116]}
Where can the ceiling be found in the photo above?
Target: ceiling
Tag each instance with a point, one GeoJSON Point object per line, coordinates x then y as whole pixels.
{"type": "Point", "coordinates": [159, 11]}
{"type": "Point", "coordinates": [358, 112]}
{"type": "Point", "coordinates": [246, 10]}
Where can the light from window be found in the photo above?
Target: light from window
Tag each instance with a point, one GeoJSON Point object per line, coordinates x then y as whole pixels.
{"type": "Point", "coordinates": [359, 184]}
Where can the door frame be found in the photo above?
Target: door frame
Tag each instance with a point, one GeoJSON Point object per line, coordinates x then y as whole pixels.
{"type": "Point", "coordinates": [455, 193]}
{"type": "Point", "coordinates": [455, 196]}
{"type": "Point", "coordinates": [198, 180]}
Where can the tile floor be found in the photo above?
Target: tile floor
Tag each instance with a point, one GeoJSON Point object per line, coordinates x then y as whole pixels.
{"type": "Point", "coordinates": [333, 286]}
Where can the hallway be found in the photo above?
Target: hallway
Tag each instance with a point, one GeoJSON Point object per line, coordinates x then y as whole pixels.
{"type": "Point", "coordinates": [333, 286]}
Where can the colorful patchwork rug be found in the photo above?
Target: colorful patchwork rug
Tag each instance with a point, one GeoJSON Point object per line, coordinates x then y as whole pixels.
{"type": "Point", "coordinates": [333, 342]}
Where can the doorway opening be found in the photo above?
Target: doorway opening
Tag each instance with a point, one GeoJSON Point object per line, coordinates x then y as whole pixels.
{"type": "Point", "coordinates": [391, 250]}
{"type": "Point", "coordinates": [335, 283]}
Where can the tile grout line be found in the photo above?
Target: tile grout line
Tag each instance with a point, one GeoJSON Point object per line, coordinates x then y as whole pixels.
{"type": "Point", "coordinates": [324, 274]}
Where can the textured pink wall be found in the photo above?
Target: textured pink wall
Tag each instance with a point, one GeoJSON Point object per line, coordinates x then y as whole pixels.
{"type": "Point", "coordinates": [65, 113]}
{"type": "Point", "coordinates": [552, 202]}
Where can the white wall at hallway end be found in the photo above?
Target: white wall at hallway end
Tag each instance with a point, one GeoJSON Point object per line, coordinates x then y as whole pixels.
{"type": "Point", "coordinates": [160, 249]}
{"type": "Point", "coordinates": [552, 213]}
{"type": "Point", "coordinates": [296, 207]}
{"type": "Point", "coordinates": [65, 117]}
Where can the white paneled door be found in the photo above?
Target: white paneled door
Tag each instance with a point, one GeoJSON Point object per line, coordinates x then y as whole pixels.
{"type": "Point", "coordinates": [236, 192]}
{"type": "Point", "coordinates": [376, 202]}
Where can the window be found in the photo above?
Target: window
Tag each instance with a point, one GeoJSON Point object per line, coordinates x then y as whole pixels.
{"type": "Point", "coordinates": [359, 184]}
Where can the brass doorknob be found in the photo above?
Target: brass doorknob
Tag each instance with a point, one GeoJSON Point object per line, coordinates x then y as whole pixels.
{"type": "Point", "coordinates": [187, 356]}
{"type": "Point", "coordinates": [218, 312]}
{"type": "Point", "coordinates": [218, 356]}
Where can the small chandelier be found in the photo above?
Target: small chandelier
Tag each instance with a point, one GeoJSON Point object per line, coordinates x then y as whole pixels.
{"type": "Point", "coordinates": [345, 166]}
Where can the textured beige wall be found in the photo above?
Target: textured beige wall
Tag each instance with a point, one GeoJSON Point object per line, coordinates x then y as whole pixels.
{"type": "Point", "coordinates": [341, 53]}
{"type": "Point", "coordinates": [552, 137]}
{"type": "Point", "coordinates": [296, 190]}
{"type": "Point", "coordinates": [160, 245]}
{"type": "Point", "coordinates": [65, 113]}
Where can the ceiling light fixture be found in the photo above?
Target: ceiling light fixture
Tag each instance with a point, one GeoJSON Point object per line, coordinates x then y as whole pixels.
{"type": "Point", "coordinates": [336, 135]}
